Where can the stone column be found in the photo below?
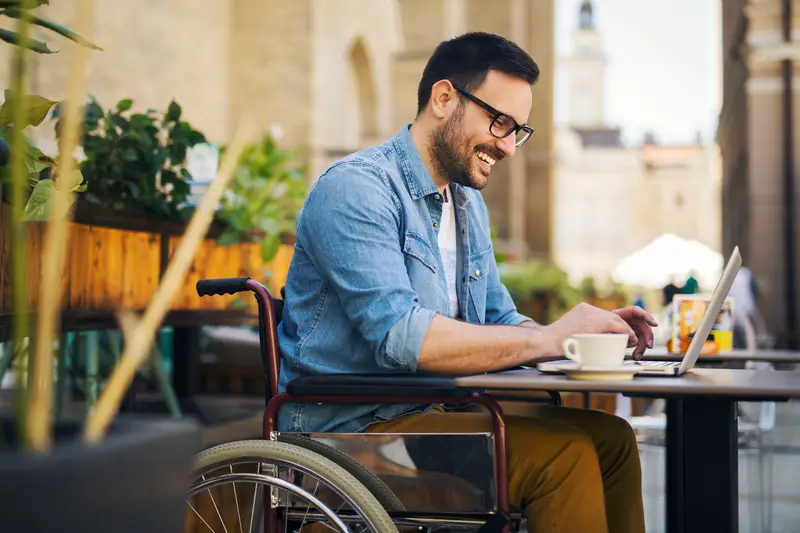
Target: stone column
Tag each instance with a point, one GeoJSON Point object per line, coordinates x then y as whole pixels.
{"type": "Point", "coordinates": [772, 231]}
{"type": "Point", "coordinates": [539, 150]}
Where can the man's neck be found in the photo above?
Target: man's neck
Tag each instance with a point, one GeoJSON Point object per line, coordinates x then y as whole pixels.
{"type": "Point", "coordinates": [420, 135]}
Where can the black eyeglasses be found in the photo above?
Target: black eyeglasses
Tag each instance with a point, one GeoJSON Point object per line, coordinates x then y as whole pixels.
{"type": "Point", "coordinates": [502, 125]}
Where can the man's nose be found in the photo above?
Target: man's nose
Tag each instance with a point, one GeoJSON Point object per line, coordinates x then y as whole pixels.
{"type": "Point", "coordinates": [506, 145]}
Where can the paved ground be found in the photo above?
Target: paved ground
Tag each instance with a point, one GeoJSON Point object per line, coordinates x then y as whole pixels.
{"type": "Point", "coordinates": [782, 490]}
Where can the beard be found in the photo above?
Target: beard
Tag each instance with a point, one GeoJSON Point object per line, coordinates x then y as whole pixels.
{"type": "Point", "coordinates": [453, 156]}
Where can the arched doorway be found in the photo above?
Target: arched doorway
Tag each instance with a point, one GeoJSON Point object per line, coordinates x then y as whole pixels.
{"type": "Point", "coordinates": [364, 99]}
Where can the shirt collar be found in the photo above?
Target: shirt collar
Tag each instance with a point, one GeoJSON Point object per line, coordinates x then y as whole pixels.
{"type": "Point", "coordinates": [419, 180]}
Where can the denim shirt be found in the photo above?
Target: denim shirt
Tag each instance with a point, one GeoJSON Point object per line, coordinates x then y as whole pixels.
{"type": "Point", "coordinates": [366, 278]}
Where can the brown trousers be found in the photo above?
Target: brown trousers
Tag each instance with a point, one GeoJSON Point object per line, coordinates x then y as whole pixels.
{"type": "Point", "coordinates": [570, 470]}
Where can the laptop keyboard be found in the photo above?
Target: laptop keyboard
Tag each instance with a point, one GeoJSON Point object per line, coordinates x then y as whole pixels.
{"type": "Point", "coordinates": [653, 364]}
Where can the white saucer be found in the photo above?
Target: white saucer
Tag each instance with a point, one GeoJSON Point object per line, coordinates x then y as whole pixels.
{"type": "Point", "coordinates": [597, 373]}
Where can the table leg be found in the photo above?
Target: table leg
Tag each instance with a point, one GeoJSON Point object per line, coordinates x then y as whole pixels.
{"type": "Point", "coordinates": [702, 465]}
{"type": "Point", "coordinates": [185, 371]}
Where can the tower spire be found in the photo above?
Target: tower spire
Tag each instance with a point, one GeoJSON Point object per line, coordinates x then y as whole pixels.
{"type": "Point", "coordinates": [586, 17]}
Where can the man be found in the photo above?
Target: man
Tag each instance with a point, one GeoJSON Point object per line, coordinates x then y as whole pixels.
{"type": "Point", "coordinates": [744, 293]}
{"type": "Point", "coordinates": [394, 270]}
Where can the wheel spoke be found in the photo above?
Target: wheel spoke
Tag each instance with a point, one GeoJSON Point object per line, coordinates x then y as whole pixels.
{"type": "Point", "coordinates": [236, 497]}
{"type": "Point", "coordinates": [253, 508]}
{"type": "Point", "coordinates": [221, 521]}
{"type": "Point", "coordinates": [313, 481]}
{"type": "Point", "coordinates": [308, 506]}
{"type": "Point", "coordinates": [200, 517]}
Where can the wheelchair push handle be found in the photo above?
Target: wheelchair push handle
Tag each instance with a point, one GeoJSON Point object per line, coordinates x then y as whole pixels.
{"type": "Point", "coordinates": [220, 286]}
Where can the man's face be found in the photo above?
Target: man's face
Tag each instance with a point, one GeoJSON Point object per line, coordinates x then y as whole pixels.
{"type": "Point", "coordinates": [463, 149]}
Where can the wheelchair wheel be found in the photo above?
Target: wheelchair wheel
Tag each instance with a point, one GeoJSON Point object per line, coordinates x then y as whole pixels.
{"type": "Point", "coordinates": [307, 491]}
{"type": "Point", "coordinates": [378, 488]}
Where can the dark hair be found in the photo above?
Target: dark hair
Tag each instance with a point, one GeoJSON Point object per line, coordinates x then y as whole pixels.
{"type": "Point", "coordinates": [467, 59]}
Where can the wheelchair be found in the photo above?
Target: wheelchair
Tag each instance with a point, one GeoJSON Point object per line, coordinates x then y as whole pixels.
{"type": "Point", "coordinates": [293, 481]}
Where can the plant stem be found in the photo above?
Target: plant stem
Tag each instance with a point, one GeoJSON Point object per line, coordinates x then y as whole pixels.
{"type": "Point", "coordinates": [40, 416]}
{"type": "Point", "coordinates": [19, 180]}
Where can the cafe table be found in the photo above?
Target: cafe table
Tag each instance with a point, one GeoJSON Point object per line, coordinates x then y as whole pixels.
{"type": "Point", "coordinates": [701, 432]}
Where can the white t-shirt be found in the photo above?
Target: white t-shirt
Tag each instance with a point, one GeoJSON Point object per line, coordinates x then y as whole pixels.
{"type": "Point", "coordinates": [449, 249]}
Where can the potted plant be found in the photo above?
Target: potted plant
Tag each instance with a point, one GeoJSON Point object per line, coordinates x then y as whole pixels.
{"type": "Point", "coordinates": [266, 193]}
{"type": "Point", "coordinates": [52, 478]}
{"type": "Point", "coordinates": [541, 290]}
{"type": "Point", "coordinates": [135, 163]}
{"type": "Point", "coordinates": [260, 208]}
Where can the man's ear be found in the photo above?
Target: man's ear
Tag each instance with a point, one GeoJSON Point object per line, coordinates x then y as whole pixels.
{"type": "Point", "coordinates": [443, 96]}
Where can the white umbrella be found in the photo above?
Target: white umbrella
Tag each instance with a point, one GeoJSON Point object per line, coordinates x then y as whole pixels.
{"type": "Point", "coordinates": [670, 258]}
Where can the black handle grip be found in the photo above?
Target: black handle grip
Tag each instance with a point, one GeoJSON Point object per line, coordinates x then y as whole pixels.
{"type": "Point", "coordinates": [211, 287]}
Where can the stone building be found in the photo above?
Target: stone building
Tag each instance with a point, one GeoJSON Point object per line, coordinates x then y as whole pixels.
{"type": "Point", "coordinates": [331, 76]}
{"type": "Point", "coordinates": [759, 141]}
{"type": "Point", "coordinates": [612, 199]}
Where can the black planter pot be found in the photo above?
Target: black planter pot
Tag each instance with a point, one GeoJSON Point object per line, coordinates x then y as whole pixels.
{"type": "Point", "coordinates": [131, 482]}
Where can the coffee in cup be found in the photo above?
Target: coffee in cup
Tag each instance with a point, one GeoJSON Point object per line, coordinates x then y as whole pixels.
{"type": "Point", "coordinates": [596, 349]}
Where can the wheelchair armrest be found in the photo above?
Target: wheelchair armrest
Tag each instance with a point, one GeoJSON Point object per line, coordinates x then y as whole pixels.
{"type": "Point", "coordinates": [394, 384]}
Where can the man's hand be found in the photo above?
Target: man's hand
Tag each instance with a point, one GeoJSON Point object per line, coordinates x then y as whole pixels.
{"type": "Point", "coordinates": [584, 318]}
{"type": "Point", "coordinates": [642, 324]}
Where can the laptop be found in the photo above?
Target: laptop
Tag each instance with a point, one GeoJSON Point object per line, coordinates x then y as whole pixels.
{"type": "Point", "coordinates": [674, 368]}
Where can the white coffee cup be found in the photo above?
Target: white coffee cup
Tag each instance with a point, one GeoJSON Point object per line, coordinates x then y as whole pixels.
{"type": "Point", "coordinates": [596, 349]}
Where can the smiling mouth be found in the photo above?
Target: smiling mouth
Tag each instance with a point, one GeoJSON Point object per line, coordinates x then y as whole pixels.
{"type": "Point", "coordinates": [486, 158]}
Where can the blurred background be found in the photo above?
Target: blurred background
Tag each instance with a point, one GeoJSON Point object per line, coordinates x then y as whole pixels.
{"type": "Point", "coordinates": [658, 123]}
{"type": "Point", "coordinates": [665, 136]}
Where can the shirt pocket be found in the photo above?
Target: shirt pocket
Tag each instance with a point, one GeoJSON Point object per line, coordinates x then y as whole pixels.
{"type": "Point", "coordinates": [478, 267]}
{"type": "Point", "coordinates": [420, 252]}
{"type": "Point", "coordinates": [422, 266]}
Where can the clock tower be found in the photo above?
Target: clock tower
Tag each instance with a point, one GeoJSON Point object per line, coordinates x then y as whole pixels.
{"type": "Point", "coordinates": [587, 67]}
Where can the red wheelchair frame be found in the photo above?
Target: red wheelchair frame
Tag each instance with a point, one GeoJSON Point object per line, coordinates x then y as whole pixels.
{"type": "Point", "coordinates": [416, 388]}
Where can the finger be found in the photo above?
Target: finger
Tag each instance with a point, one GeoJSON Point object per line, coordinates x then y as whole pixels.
{"type": "Point", "coordinates": [640, 313]}
{"type": "Point", "coordinates": [640, 347]}
{"type": "Point", "coordinates": [618, 325]}
{"type": "Point", "coordinates": [650, 319]}
{"type": "Point", "coordinates": [624, 325]}
{"type": "Point", "coordinates": [648, 335]}
{"type": "Point", "coordinates": [644, 332]}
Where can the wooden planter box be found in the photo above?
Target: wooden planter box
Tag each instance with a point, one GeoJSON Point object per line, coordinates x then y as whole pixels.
{"type": "Point", "coordinates": [118, 261]}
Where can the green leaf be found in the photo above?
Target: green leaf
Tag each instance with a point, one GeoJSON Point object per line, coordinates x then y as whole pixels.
{"type": "Point", "coordinates": [185, 213]}
{"type": "Point", "coordinates": [18, 3]}
{"type": "Point", "coordinates": [196, 137]}
{"type": "Point", "coordinates": [34, 45]}
{"type": "Point", "coordinates": [173, 112]}
{"type": "Point", "coordinates": [74, 180]}
{"type": "Point", "coordinates": [35, 109]}
{"type": "Point", "coordinates": [41, 201]}
{"type": "Point", "coordinates": [269, 247]}
{"type": "Point", "coordinates": [228, 237]}
{"type": "Point", "coordinates": [52, 26]}
{"type": "Point", "coordinates": [35, 166]}
{"type": "Point", "coordinates": [124, 105]}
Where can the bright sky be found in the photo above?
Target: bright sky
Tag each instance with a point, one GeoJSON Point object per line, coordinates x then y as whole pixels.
{"type": "Point", "coordinates": [664, 65]}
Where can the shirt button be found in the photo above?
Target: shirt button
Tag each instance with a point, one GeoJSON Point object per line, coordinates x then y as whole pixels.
{"type": "Point", "coordinates": [477, 271]}
{"type": "Point", "coordinates": [437, 196]}
{"type": "Point", "coordinates": [435, 225]}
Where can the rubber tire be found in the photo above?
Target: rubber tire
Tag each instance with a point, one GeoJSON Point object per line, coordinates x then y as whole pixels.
{"type": "Point", "coordinates": [367, 505]}
{"type": "Point", "coordinates": [378, 488]}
